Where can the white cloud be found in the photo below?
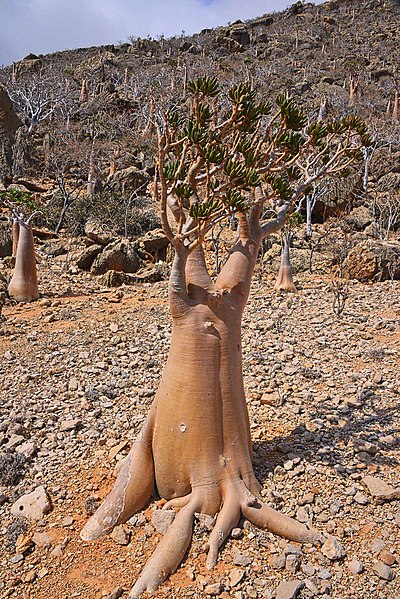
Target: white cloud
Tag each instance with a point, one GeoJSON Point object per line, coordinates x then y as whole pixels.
{"type": "Point", "coordinates": [42, 26]}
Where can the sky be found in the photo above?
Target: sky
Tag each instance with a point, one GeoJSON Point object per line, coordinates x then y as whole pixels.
{"type": "Point", "coordinates": [42, 26]}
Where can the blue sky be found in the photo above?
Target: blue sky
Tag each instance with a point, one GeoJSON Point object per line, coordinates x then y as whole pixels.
{"type": "Point", "coordinates": [42, 26]}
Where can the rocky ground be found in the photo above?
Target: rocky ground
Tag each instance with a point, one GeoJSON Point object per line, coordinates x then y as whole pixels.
{"type": "Point", "coordinates": [78, 371]}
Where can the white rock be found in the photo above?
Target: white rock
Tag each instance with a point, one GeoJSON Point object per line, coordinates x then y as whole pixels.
{"type": "Point", "coordinates": [33, 505]}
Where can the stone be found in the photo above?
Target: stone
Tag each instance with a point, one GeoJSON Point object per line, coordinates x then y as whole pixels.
{"type": "Point", "coordinates": [289, 589]}
{"type": "Point", "coordinates": [120, 535]}
{"type": "Point", "coordinates": [235, 577]}
{"type": "Point", "coordinates": [85, 258]}
{"type": "Point", "coordinates": [205, 521]}
{"type": "Point", "coordinates": [154, 243]}
{"type": "Point", "coordinates": [379, 489]}
{"type": "Point", "coordinates": [377, 545]}
{"type": "Point", "coordinates": [385, 572]}
{"type": "Point", "coordinates": [96, 230]}
{"type": "Point", "coordinates": [42, 539]}
{"type": "Point", "coordinates": [214, 589]}
{"type": "Point", "coordinates": [360, 498]}
{"type": "Point", "coordinates": [27, 449]}
{"type": "Point", "coordinates": [387, 558]}
{"type": "Point", "coordinates": [278, 562]}
{"type": "Point", "coordinates": [240, 559]}
{"type": "Point", "coordinates": [70, 425]}
{"type": "Point", "coordinates": [116, 594]}
{"type": "Point", "coordinates": [355, 566]}
{"type": "Point", "coordinates": [56, 247]}
{"type": "Point", "coordinates": [67, 521]}
{"type": "Point", "coordinates": [162, 520]}
{"type": "Point", "coordinates": [32, 505]}
{"type": "Point", "coordinates": [373, 260]}
{"type": "Point", "coordinates": [29, 576]}
{"type": "Point", "coordinates": [359, 218]}
{"type": "Point", "coordinates": [236, 533]}
{"type": "Point", "coordinates": [120, 256]}
{"type": "Point", "coordinates": [332, 549]}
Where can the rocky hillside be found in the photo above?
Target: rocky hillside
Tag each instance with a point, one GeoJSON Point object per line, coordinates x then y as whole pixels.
{"type": "Point", "coordinates": [87, 116]}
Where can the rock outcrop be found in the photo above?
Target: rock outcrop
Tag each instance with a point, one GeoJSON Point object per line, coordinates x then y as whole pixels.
{"type": "Point", "coordinates": [9, 123]}
{"type": "Point", "coordinates": [373, 261]}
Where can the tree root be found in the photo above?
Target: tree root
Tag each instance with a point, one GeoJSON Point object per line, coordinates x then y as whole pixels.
{"type": "Point", "coordinates": [132, 490]}
{"type": "Point", "coordinates": [169, 552]}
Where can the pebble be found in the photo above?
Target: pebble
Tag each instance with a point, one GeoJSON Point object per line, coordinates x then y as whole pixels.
{"type": "Point", "coordinates": [32, 505]}
{"type": "Point", "coordinates": [332, 549]}
{"type": "Point", "coordinates": [360, 498]}
{"type": "Point", "coordinates": [387, 558]}
{"type": "Point", "coordinates": [385, 572]}
{"type": "Point", "coordinates": [235, 576]}
{"type": "Point", "coordinates": [214, 589]}
{"type": "Point", "coordinates": [240, 559]}
{"type": "Point", "coordinates": [120, 535]}
{"type": "Point", "coordinates": [355, 566]}
{"type": "Point", "coordinates": [289, 589]}
{"type": "Point", "coordinates": [162, 520]}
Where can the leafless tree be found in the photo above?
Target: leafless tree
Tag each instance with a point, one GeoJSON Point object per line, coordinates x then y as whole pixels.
{"type": "Point", "coordinates": [36, 98]}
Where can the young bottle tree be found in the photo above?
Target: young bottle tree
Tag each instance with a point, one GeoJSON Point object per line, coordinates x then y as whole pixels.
{"type": "Point", "coordinates": [23, 286]}
{"type": "Point", "coordinates": [218, 157]}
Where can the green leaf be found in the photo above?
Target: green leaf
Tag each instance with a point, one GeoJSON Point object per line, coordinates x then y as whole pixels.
{"type": "Point", "coordinates": [291, 115]}
{"type": "Point", "coordinates": [170, 169]}
{"type": "Point", "coordinates": [174, 119]}
{"type": "Point", "coordinates": [317, 133]}
{"type": "Point", "coordinates": [214, 154]}
{"type": "Point", "coordinates": [183, 191]}
{"type": "Point", "coordinates": [195, 133]}
{"type": "Point", "coordinates": [241, 94]}
{"type": "Point", "coordinates": [280, 186]}
{"type": "Point", "coordinates": [233, 199]}
{"type": "Point", "coordinates": [204, 211]}
{"type": "Point", "coordinates": [208, 86]}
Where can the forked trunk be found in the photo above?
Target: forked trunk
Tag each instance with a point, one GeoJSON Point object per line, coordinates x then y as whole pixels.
{"type": "Point", "coordinates": [15, 236]}
{"type": "Point", "coordinates": [195, 449]}
{"type": "Point", "coordinates": [23, 286]}
{"type": "Point", "coordinates": [285, 276]}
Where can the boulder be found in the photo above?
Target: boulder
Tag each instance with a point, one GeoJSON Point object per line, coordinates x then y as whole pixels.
{"type": "Point", "coordinates": [130, 179]}
{"type": "Point", "coordinates": [9, 123]}
{"type": "Point", "coordinates": [148, 275]}
{"type": "Point", "coordinates": [85, 258]}
{"type": "Point", "coordinates": [373, 261]}
{"type": "Point", "coordinates": [58, 247]}
{"type": "Point", "coordinates": [154, 243]}
{"type": "Point", "coordinates": [5, 239]}
{"type": "Point", "coordinates": [238, 32]}
{"type": "Point", "coordinates": [120, 256]}
{"type": "Point", "coordinates": [98, 232]}
{"type": "Point", "coordinates": [359, 218]}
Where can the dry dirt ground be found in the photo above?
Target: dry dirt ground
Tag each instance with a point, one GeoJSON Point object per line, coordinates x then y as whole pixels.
{"type": "Point", "coordinates": [78, 371]}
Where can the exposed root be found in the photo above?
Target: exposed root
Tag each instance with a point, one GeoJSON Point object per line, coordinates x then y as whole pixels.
{"type": "Point", "coordinates": [132, 489]}
{"type": "Point", "coordinates": [227, 519]}
{"type": "Point", "coordinates": [177, 502]}
{"type": "Point", "coordinates": [263, 516]}
{"type": "Point", "coordinates": [169, 552]}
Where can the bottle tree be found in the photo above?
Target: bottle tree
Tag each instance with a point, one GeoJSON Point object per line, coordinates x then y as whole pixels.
{"type": "Point", "coordinates": [220, 156]}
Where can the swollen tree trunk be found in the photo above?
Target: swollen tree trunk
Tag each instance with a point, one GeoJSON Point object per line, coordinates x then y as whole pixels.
{"type": "Point", "coordinates": [23, 286]}
{"type": "Point", "coordinates": [195, 448]}
{"type": "Point", "coordinates": [285, 276]}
